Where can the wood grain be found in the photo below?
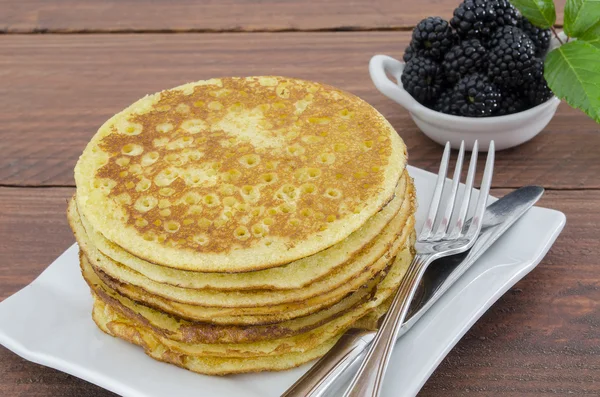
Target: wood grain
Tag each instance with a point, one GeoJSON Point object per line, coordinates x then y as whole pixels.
{"type": "Point", "coordinates": [56, 90]}
{"type": "Point", "coordinates": [219, 15]}
{"type": "Point", "coordinates": [33, 232]}
{"type": "Point", "coordinates": [539, 339]}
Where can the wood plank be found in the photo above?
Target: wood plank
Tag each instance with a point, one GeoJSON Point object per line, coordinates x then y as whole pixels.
{"type": "Point", "coordinates": [56, 90]}
{"type": "Point", "coordinates": [20, 378]}
{"type": "Point", "coordinates": [225, 15]}
{"type": "Point", "coordinates": [33, 232]}
{"type": "Point", "coordinates": [541, 338]}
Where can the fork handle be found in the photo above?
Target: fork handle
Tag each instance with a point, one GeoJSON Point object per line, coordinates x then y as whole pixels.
{"type": "Point", "coordinates": [368, 380]}
{"type": "Point", "coordinates": [328, 369]}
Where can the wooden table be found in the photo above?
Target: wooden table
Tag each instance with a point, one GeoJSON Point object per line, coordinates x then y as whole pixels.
{"type": "Point", "coordinates": [66, 66]}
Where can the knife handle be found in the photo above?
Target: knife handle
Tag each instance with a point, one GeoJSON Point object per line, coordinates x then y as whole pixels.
{"type": "Point", "coordinates": [325, 371]}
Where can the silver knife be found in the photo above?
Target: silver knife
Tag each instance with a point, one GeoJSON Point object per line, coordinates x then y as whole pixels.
{"type": "Point", "coordinates": [350, 349]}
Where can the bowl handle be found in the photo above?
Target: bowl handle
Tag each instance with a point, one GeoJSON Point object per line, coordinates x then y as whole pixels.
{"type": "Point", "coordinates": [379, 66]}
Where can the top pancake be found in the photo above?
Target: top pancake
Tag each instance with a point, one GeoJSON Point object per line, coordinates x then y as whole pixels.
{"type": "Point", "coordinates": [238, 174]}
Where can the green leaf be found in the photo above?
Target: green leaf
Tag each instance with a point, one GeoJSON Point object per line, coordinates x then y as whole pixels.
{"type": "Point", "coordinates": [595, 41]}
{"type": "Point", "coordinates": [541, 13]}
{"type": "Point", "coordinates": [592, 35]}
{"type": "Point", "coordinates": [573, 74]}
{"type": "Point", "coordinates": [581, 16]}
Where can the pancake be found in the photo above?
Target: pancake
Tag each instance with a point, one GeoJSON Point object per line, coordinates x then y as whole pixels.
{"type": "Point", "coordinates": [169, 327]}
{"type": "Point", "coordinates": [301, 342]}
{"type": "Point", "coordinates": [219, 315]}
{"type": "Point", "coordinates": [243, 224]}
{"type": "Point", "coordinates": [238, 174]}
{"type": "Point", "coordinates": [294, 275]}
{"type": "Point", "coordinates": [371, 320]}
{"type": "Point", "coordinates": [271, 300]}
{"type": "Point", "coordinates": [342, 281]}
{"type": "Point", "coordinates": [182, 330]}
{"type": "Point", "coordinates": [203, 365]}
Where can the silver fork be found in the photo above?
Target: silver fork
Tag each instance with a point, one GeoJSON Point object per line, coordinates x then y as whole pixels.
{"type": "Point", "coordinates": [432, 243]}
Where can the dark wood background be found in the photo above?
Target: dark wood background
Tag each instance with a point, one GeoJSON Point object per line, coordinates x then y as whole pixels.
{"type": "Point", "coordinates": [66, 66]}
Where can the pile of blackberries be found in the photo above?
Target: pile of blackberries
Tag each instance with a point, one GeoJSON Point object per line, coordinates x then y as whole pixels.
{"type": "Point", "coordinates": [487, 61]}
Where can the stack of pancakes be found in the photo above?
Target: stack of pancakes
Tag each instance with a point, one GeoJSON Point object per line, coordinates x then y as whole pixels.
{"type": "Point", "coordinates": [243, 224]}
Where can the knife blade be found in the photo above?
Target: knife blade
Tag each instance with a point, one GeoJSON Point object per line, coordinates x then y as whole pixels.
{"type": "Point", "coordinates": [349, 350]}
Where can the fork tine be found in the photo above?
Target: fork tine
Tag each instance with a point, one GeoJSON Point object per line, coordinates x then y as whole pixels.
{"type": "Point", "coordinates": [437, 195]}
{"type": "Point", "coordinates": [484, 192]}
{"type": "Point", "coordinates": [445, 222]}
{"type": "Point", "coordinates": [464, 208]}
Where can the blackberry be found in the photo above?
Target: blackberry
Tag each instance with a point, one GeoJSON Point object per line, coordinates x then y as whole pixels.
{"type": "Point", "coordinates": [423, 79]}
{"type": "Point", "coordinates": [475, 96]}
{"type": "Point", "coordinates": [472, 18]}
{"type": "Point", "coordinates": [409, 52]}
{"type": "Point", "coordinates": [432, 37]}
{"type": "Point", "coordinates": [480, 18]}
{"type": "Point", "coordinates": [511, 57]}
{"type": "Point", "coordinates": [540, 37]}
{"type": "Point", "coordinates": [445, 103]}
{"type": "Point", "coordinates": [537, 91]}
{"type": "Point", "coordinates": [467, 57]}
{"type": "Point", "coordinates": [504, 14]}
{"type": "Point", "coordinates": [511, 102]}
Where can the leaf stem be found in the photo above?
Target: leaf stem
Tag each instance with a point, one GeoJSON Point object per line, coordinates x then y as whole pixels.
{"type": "Point", "coordinates": [556, 35]}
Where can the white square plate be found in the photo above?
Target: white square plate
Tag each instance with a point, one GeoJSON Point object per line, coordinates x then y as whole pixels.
{"type": "Point", "coordinates": [49, 322]}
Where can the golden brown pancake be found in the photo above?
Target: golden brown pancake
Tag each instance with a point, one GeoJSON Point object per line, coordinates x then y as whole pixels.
{"type": "Point", "coordinates": [340, 282]}
{"type": "Point", "coordinates": [119, 321]}
{"type": "Point", "coordinates": [238, 174]}
{"type": "Point", "coordinates": [297, 274]}
{"type": "Point", "coordinates": [243, 224]}
{"type": "Point", "coordinates": [207, 332]}
{"type": "Point", "coordinates": [203, 365]}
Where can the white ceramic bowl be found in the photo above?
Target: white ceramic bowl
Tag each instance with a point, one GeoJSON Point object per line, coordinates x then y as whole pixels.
{"type": "Point", "coordinates": [506, 131]}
